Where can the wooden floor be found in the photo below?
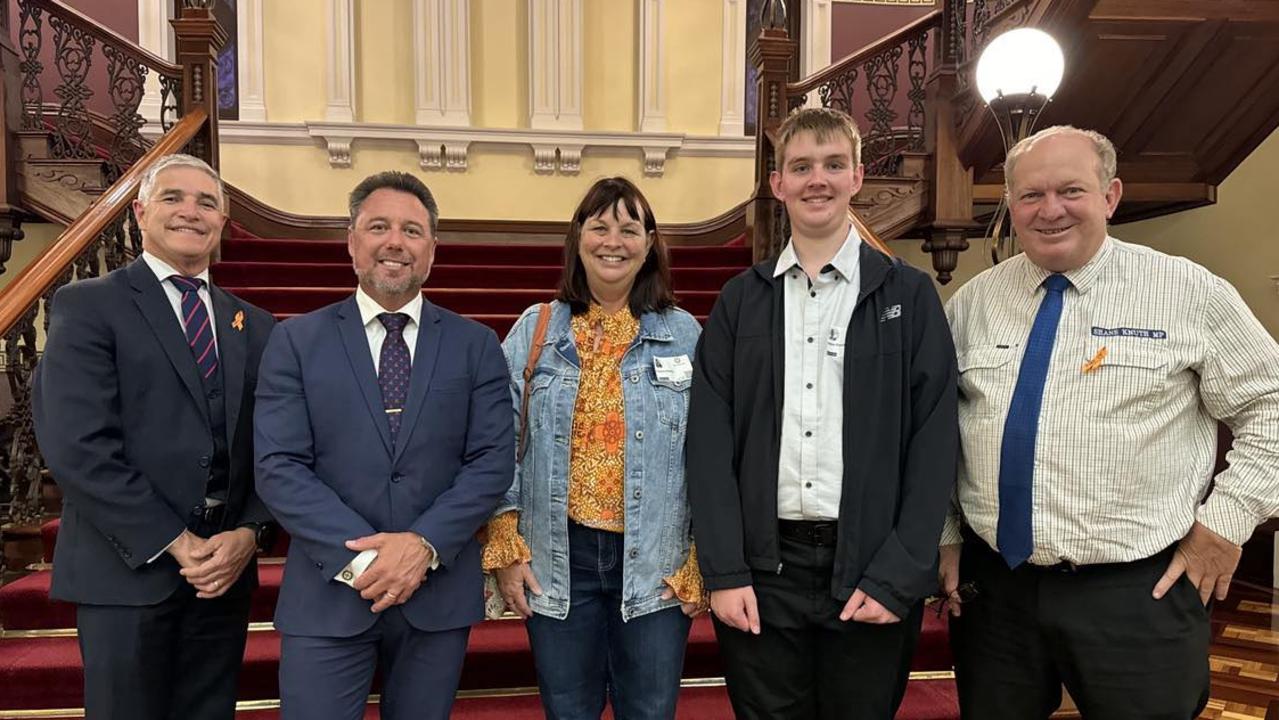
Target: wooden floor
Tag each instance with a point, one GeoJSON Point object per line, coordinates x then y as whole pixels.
{"type": "Point", "coordinates": [1244, 656]}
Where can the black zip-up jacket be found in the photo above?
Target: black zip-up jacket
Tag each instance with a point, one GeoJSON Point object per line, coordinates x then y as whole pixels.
{"type": "Point", "coordinates": [900, 435]}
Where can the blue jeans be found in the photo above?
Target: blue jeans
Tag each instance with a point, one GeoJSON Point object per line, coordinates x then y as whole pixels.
{"type": "Point", "coordinates": [592, 655]}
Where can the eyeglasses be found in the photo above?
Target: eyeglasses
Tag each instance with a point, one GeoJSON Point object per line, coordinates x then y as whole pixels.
{"type": "Point", "coordinates": [967, 592]}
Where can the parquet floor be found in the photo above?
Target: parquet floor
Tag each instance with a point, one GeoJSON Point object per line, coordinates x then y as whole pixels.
{"type": "Point", "coordinates": [1244, 656]}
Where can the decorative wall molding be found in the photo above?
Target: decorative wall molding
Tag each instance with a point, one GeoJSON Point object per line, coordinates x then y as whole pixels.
{"type": "Point", "coordinates": [249, 57]}
{"type": "Point", "coordinates": [652, 68]}
{"type": "Point", "coordinates": [339, 62]}
{"type": "Point", "coordinates": [444, 148]}
{"type": "Point", "coordinates": [555, 64]}
{"type": "Point", "coordinates": [156, 36]}
{"type": "Point", "coordinates": [814, 43]}
{"type": "Point", "coordinates": [442, 62]}
{"type": "Point", "coordinates": [732, 100]}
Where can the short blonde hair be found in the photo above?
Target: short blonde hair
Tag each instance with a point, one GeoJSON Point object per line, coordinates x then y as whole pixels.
{"type": "Point", "coordinates": [1107, 160]}
{"type": "Point", "coordinates": [824, 124]}
{"type": "Point", "coordinates": [179, 160]}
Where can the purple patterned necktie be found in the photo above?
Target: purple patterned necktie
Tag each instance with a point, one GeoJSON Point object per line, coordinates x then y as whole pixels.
{"type": "Point", "coordinates": [195, 320]}
{"type": "Point", "coordinates": [393, 369]}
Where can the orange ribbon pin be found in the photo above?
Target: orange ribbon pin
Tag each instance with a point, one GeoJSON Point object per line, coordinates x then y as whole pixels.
{"type": "Point", "coordinates": [1096, 361]}
{"type": "Point", "coordinates": [238, 321]}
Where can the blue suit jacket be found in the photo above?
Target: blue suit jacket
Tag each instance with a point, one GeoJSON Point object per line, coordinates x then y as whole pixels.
{"type": "Point", "coordinates": [328, 471]}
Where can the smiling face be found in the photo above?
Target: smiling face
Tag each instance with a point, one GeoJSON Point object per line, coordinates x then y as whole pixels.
{"type": "Point", "coordinates": [816, 180]}
{"type": "Point", "coordinates": [612, 250]}
{"type": "Point", "coordinates": [181, 221]}
{"type": "Point", "coordinates": [1058, 204]}
{"type": "Point", "coordinates": [391, 246]}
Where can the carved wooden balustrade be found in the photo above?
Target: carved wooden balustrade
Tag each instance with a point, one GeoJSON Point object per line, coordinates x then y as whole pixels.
{"type": "Point", "coordinates": [70, 115]}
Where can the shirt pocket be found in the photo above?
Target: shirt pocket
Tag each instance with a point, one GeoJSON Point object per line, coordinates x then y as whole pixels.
{"type": "Point", "coordinates": [986, 379]}
{"type": "Point", "coordinates": [1126, 382]}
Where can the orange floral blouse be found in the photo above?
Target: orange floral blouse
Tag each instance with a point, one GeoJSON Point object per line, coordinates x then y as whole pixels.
{"type": "Point", "coordinates": [597, 463]}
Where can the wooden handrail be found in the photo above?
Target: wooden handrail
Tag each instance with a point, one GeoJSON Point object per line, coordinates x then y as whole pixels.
{"type": "Point", "coordinates": [808, 84]}
{"type": "Point", "coordinates": [48, 266]}
{"type": "Point", "coordinates": [88, 25]}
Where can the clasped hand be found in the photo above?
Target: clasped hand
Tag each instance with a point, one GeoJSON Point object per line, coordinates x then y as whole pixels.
{"type": "Point", "coordinates": [212, 566]}
{"type": "Point", "coordinates": [396, 573]}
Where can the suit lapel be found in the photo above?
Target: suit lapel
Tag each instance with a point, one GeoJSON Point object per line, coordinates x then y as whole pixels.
{"type": "Point", "coordinates": [356, 342]}
{"type": "Point", "coordinates": [424, 357]}
{"type": "Point", "coordinates": [232, 353]}
{"type": "Point", "coordinates": [154, 305]}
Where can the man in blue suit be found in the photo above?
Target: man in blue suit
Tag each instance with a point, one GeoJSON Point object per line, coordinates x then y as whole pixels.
{"type": "Point", "coordinates": [384, 441]}
{"type": "Point", "coordinates": [143, 410]}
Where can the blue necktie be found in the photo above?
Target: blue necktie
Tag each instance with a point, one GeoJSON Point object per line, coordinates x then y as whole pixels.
{"type": "Point", "coordinates": [195, 321]}
{"type": "Point", "coordinates": [393, 369]}
{"type": "Point", "coordinates": [1017, 453]}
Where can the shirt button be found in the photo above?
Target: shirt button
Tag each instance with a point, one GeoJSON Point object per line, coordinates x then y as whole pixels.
{"type": "Point", "coordinates": [808, 385]}
{"type": "Point", "coordinates": [812, 293]}
{"type": "Point", "coordinates": [639, 434]}
{"type": "Point", "coordinates": [810, 339]}
{"type": "Point", "coordinates": [808, 484]}
{"type": "Point", "coordinates": [808, 433]}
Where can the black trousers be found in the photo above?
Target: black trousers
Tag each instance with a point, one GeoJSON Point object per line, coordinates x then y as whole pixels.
{"type": "Point", "coordinates": [807, 664]}
{"type": "Point", "coordinates": [176, 660]}
{"type": "Point", "coordinates": [1119, 652]}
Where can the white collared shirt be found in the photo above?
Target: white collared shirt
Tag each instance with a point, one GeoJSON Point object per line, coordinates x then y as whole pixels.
{"type": "Point", "coordinates": [810, 467]}
{"type": "Point", "coordinates": [1150, 350]}
{"type": "Point", "coordinates": [162, 272]}
{"type": "Point", "coordinates": [376, 331]}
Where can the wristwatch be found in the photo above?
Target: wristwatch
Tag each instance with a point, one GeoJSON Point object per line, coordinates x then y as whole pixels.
{"type": "Point", "coordinates": [263, 534]}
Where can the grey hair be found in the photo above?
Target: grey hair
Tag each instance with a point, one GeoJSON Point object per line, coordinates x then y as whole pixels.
{"type": "Point", "coordinates": [179, 160]}
{"type": "Point", "coordinates": [1107, 161]}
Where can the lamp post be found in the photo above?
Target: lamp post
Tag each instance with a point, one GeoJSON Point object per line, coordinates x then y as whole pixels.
{"type": "Point", "coordinates": [1017, 74]}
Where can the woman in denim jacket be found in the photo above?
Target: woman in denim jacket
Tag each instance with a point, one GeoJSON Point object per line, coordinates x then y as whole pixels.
{"type": "Point", "coordinates": [592, 542]}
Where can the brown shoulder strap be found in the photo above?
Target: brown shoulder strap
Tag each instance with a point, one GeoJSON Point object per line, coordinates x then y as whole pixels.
{"type": "Point", "coordinates": [534, 352]}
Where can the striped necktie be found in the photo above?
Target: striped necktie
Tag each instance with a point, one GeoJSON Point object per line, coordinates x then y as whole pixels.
{"type": "Point", "coordinates": [195, 320]}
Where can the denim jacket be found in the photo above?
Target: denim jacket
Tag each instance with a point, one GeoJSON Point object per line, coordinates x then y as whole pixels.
{"type": "Point", "coordinates": [656, 536]}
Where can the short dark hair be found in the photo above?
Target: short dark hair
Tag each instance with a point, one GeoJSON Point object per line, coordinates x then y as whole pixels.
{"type": "Point", "coordinates": [652, 289]}
{"type": "Point", "coordinates": [394, 180]}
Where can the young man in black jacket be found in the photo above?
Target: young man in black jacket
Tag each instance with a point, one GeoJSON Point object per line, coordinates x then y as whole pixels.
{"type": "Point", "coordinates": [822, 441]}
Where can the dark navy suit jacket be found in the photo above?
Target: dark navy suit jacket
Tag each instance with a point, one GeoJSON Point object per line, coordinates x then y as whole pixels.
{"type": "Point", "coordinates": [123, 424]}
{"type": "Point", "coordinates": [328, 470]}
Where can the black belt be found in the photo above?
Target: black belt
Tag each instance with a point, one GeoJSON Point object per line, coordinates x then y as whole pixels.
{"type": "Point", "coordinates": [821, 533]}
{"type": "Point", "coordinates": [1067, 567]}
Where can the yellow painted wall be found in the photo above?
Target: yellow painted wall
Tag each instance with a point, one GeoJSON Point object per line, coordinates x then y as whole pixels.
{"type": "Point", "coordinates": [36, 237]}
{"type": "Point", "coordinates": [694, 44]}
{"type": "Point", "coordinates": [384, 71]}
{"type": "Point", "coordinates": [293, 59]}
{"type": "Point", "coordinates": [499, 63]}
{"type": "Point", "coordinates": [499, 183]}
{"type": "Point", "coordinates": [610, 72]}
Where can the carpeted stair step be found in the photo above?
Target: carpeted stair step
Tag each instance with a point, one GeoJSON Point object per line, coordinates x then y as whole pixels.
{"type": "Point", "coordinates": [335, 251]}
{"type": "Point", "coordinates": [925, 700]}
{"type": "Point", "coordinates": [45, 672]}
{"type": "Point", "coordinates": [465, 301]}
{"type": "Point", "coordinates": [25, 603]}
{"type": "Point", "coordinates": [313, 274]}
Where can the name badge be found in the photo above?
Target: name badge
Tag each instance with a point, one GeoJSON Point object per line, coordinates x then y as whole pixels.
{"type": "Point", "coordinates": [676, 368]}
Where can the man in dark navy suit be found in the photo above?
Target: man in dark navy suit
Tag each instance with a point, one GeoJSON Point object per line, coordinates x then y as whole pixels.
{"type": "Point", "coordinates": [143, 410]}
{"type": "Point", "coordinates": [384, 441]}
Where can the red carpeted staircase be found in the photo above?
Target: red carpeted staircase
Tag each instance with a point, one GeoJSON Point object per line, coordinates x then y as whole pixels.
{"type": "Point", "coordinates": [40, 666]}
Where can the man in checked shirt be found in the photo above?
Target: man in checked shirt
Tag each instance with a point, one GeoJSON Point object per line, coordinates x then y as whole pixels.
{"type": "Point", "coordinates": [1088, 534]}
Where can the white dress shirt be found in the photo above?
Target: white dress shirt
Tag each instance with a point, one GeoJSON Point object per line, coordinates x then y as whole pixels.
{"type": "Point", "coordinates": [1150, 351]}
{"type": "Point", "coordinates": [163, 271]}
{"type": "Point", "coordinates": [810, 467]}
{"type": "Point", "coordinates": [375, 331]}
